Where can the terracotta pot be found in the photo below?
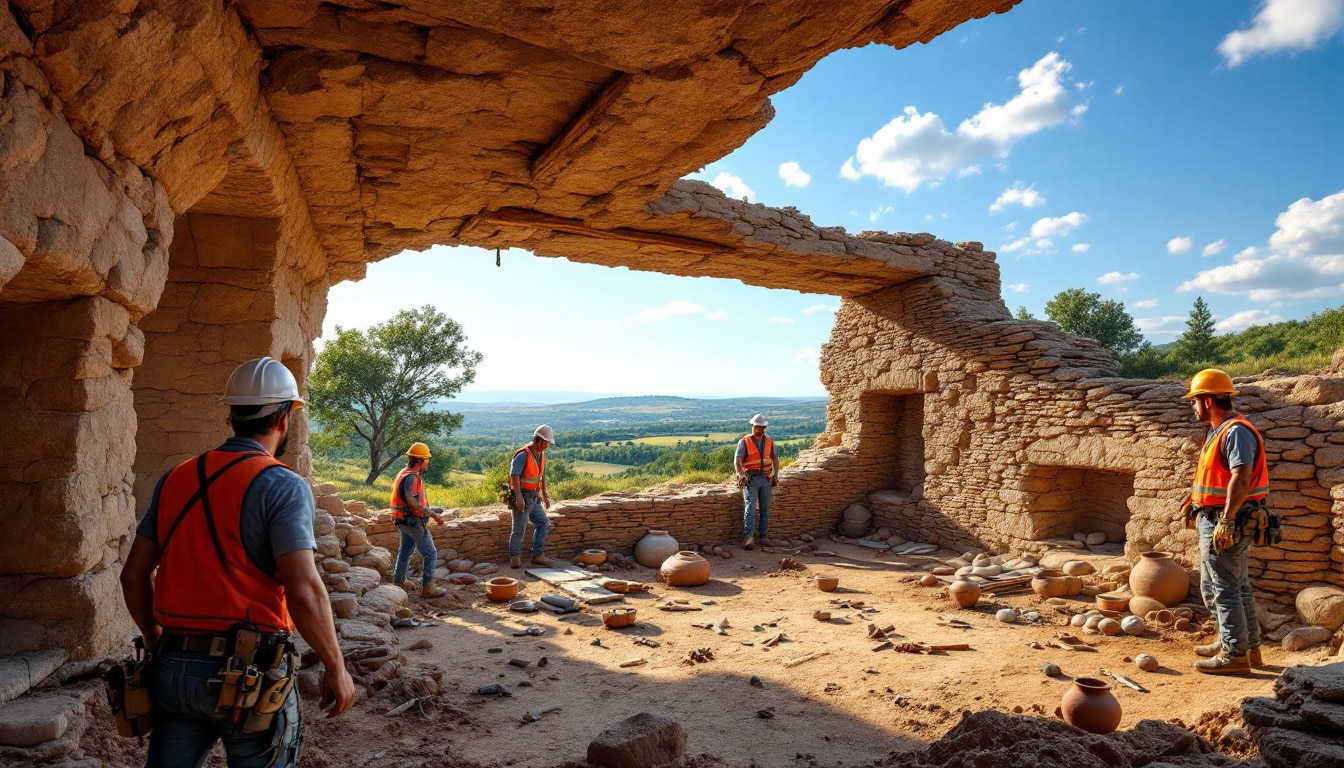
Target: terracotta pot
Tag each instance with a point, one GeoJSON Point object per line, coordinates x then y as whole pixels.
{"type": "Point", "coordinates": [654, 548]}
{"type": "Point", "coordinates": [1053, 583]}
{"type": "Point", "coordinates": [620, 617]}
{"type": "Point", "coordinates": [502, 589]}
{"type": "Point", "coordinates": [685, 569]}
{"type": "Point", "coordinates": [965, 592]}
{"type": "Point", "coordinates": [1113, 602]}
{"type": "Point", "coordinates": [827, 583]}
{"type": "Point", "coordinates": [1090, 705]}
{"type": "Point", "coordinates": [591, 557]}
{"type": "Point", "coordinates": [1158, 576]}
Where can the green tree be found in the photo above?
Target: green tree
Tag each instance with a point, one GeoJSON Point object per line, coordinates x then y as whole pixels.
{"type": "Point", "coordinates": [1085, 314]}
{"type": "Point", "coordinates": [378, 388]}
{"type": "Point", "coordinates": [1197, 343]}
{"type": "Point", "coordinates": [1024, 314]}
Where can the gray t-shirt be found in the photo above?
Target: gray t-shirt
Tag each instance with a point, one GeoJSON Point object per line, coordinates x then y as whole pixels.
{"type": "Point", "coordinates": [519, 465]}
{"type": "Point", "coordinates": [742, 448]}
{"type": "Point", "coordinates": [1240, 448]}
{"type": "Point", "coordinates": [277, 517]}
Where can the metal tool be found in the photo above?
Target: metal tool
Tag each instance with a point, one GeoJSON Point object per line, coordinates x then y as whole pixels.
{"type": "Point", "coordinates": [1125, 681]}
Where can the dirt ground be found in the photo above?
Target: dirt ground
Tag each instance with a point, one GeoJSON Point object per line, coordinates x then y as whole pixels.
{"type": "Point", "coordinates": [846, 706]}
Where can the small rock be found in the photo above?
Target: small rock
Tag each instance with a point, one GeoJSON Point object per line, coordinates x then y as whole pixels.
{"type": "Point", "coordinates": [756, 681]}
{"type": "Point", "coordinates": [1094, 539]}
{"type": "Point", "coordinates": [645, 739]}
{"type": "Point", "coordinates": [1305, 637]}
{"type": "Point", "coordinates": [1146, 663]}
{"type": "Point", "coordinates": [1133, 625]}
{"type": "Point", "coordinates": [1051, 670]}
{"type": "Point", "coordinates": [1006, 615]}
{"type": "Point", "coordinates": [423, 645]}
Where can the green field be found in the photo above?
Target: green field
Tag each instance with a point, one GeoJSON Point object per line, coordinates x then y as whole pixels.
{"type": "Point", "coordinates": [599, 468]}
{"type": "Point", "coordinates": [718, 437]}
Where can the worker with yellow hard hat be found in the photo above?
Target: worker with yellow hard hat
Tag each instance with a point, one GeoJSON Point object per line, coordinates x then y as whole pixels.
{"type": "Point", "coordinates": [1227, 501]}
{"type": "Point", "coordinates": [411, 515]}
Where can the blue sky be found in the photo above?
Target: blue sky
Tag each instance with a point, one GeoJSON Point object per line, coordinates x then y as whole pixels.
{"type": "Point", "coordinates": [1149, 151]}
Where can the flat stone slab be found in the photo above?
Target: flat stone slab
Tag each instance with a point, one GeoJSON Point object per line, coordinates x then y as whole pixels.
{"type": "Point", "coordinates": [578, 582]}
{"type": "Point", "coordinates": [19, 673]}
{"type": "Point", "coordinates": [34, 720]}
{"type": "Point", "coordinates": [561, 574]}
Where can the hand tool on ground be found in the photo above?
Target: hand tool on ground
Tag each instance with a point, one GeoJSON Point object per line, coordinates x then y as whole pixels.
{"type": "Point", "coordinates": [1125, 681]}
{"type": "Point", "coordinates": [537, 714]}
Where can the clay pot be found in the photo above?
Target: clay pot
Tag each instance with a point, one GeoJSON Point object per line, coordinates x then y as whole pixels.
{"type": "Point", "coordinates": [965, 592]}
{"type": "Point", "coordinates": [654, 548]}
{"type": "Point", "coordinates": [1142, 606]}
{"type": "Point", "coordinates": [1052, 583]}
{"type": "Point", "coordinates": [1158, 576]}
{"type": "Point", "coordinates": [1113, 602]}
{"type": "Point", "coordinates": [685, 569]}
{"type": "Point", "coordinates": [827, 583]}
{"type": "Point", "coordinates": [1089, 704]}
{"type": "Point", "coordinates": [928, 580]}
{"type": "Point", "coordinates": [620, 617]}
{"type": "Point", "coordinates": [502, 589]}
{"type": "Point", "coordinates": [591, 557]}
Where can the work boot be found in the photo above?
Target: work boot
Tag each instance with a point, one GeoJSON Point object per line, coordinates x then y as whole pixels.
{"type": "Point", "coordinates": [541, 559]}
{"type": "Point", "coordinates": [1223, 664]}
{"type": "Point", "coordinates": [748, 543]}
{"type": "Point", "coordinates": [1210, 650]}
{"type": "Point", "coordinates": [1255, 658]}
{"type": "Point", "coordinates": [515, 561]}
{"type": "Point", "coordinates": [433, 590]}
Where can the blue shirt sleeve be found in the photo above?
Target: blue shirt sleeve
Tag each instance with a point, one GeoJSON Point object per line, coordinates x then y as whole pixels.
{"type": "Point", "coordinates": [408, 488]}
{"type": "Point", "coordinates": [1240, 448]}
{"type": "Point", "coordinates": [278, 516]}
{"type": "Point", "coordinates": [148, 527]}
{"type": "Point", "coordinates": [519, 464]}
{"type": "Point", "coordinates": [741, 449]}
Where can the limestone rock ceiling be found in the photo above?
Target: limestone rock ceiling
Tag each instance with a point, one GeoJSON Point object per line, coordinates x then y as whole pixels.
{"type": "Point", "coordinates": [549, 125]}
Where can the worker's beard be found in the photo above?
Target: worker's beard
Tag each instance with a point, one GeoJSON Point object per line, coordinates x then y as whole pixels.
{"type": "Point", "coordinates": [283, 446]}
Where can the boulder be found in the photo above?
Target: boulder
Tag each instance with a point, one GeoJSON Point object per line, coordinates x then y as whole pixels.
{"type": "Point", "coordinates": [357, 507]}
{"type": "Point", "coordinates": [1322, 607]}
{"type": "Point", "coordinates": [854, 521]}
{"type": "Point", "coordinates": [344, 606]}
{"type": "Point", "coordinates": [324, 489]}
{"type": "Point", "coordinates": [1305, 637]}
{"type": "Point", "coordinates": [362, 579]}
{"type": "Point", "coordinates": [332, 505]}
{"type": "Point", "coordinates": [645, 740]}
{"type": "Point", "coordinates": [376, 558]}
{"type": "Point", "coordinates": [335, 565]}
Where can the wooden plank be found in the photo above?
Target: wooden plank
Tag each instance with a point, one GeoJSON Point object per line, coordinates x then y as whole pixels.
{"type": "Point", "coordinates": [582, 129]}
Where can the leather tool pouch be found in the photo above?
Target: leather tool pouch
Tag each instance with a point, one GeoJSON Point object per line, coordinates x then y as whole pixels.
{"type": "Point", "coordinates": [128, 693]}
{"type": "Point", "coordinates": [506, 494]}
{"type": "Point", "coordinates": [275, 687]}
{"type": "Point", "coordinates": [1189, 512]}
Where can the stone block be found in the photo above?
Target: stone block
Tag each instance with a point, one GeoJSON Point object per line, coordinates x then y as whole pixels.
{"type": "Point", "coordinates": [1305, 637]}
{"type": "Point", "coordinates": [22, 672]}
{"type": "Point", "coordinates": [34, 720]}
{"type": "Point", "coordinates": [645, 740]}
{"type": "Point", "coordinates": [1321, 606]}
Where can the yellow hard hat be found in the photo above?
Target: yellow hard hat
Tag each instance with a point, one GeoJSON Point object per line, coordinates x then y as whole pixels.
{"type": "Point", "coordinates": [418, 451]}
{"type": "Point", "coordinates": [1210, 381]}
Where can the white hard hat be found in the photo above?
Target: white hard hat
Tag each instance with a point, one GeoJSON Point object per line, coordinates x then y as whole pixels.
{"type": "Point", "coordinates": [264, 381]}
{"type": "Point", "coordinates": [545, 433]}
{"type": "Point", "coordinates": [759, 421]}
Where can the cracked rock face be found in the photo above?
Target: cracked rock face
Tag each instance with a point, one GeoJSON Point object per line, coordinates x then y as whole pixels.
{"type": "Point", "coordinates": [1303, 725]}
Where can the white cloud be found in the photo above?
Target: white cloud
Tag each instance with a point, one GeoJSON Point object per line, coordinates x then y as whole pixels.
{"type": "Point", "coordinates": [1119, 89]}
{"type": "Point", "coordinates": [808, 355]}
{"type": "Point", "coordinates": [1243, 320]}
{"type": "Point", "coordinates": [819, 308]}
{"type": "Point", "coordinates": [1059, 226]}
{"type": "Point", "coordinates": [1045, 243]}
{"type": "Point", "coordinates": [1117, 278]}
{"type": "Point", "coordinates": [1178, 245]}
{"type": "Point", "coordinates": [1284, 25]}
{"type": "Point", "coordinates": [794, 175]}
{"type": "Point", "coordinates": [670, 309]}
{"type": "Point", "coordinates": [881, 211]}
{"type": "Point", "coordinates": [717, 314]}
{"type": "Point", "coordinates": [1167, 325]}
{"type": "Point", "coordinates": [1015, 245]}
{"type": "Point", "coordinates": [1304, 260]}
{"type": "Point", "coordinates": [781, 320]}
{"type": "Point", "coordinates": [1027, 197]}
{"type": "Point", "coordinates": [970, 170]}
{"type": "Point", "coordinates": [1018, 287]}
{"type": "Point", "coordinates": [733, 186]}
{"type": "Point", "coordinates": [1081, 247]}
{"type": "Point", "coordinates": [1214, 248]}
{"type": "Point", "coordinates": [1145, 304]}
{"type": "Point", "coordinates": [916, 148]}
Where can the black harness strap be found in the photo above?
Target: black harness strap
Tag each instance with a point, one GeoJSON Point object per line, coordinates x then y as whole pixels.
{"type": "Point", "coordinates": [201, 496]}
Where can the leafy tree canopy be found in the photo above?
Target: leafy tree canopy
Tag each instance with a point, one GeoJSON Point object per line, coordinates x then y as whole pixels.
{"type": "Point", "coordinates": [377, 388]}
{"type": "Point", "coordinates": [1085, 314]}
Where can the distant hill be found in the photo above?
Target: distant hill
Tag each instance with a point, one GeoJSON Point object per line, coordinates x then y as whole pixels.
{"type": "Point", "coordinates": [679, 414]}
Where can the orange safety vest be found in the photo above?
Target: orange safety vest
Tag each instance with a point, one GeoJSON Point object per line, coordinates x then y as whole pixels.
{"type": "Point", "coordinates": [1212, 474]}
{"type": "Point", "coordinates": [533, 471]}
{"type": "Point", "coordinates": [756, 458]}
{"type": "Point", "coordinates": [206, 582]}
{"type": "Point", "coordinates": [399, 505]}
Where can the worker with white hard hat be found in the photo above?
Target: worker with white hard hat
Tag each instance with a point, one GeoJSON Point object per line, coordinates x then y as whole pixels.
{"type": "Point", "coordinates": [411, 515]}
{"type": "Point", "coordinates": [757, 463]}
{"type": "Point", "coordinates": [230, 533]}
{"type": "Point", "coordinates": [527, 483]}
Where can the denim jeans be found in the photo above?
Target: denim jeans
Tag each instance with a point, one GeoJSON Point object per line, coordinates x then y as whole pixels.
{"type": "Point", "coordinates": [415, 535]}
{"type": "Point", "coordinates": [1225, 585]}
{"type": "Point", "coordinates": [756, 493]}
{"type": "Point", "coordinates": [186, 725]}
{"type": "Point", "coordinates": [534, 511]}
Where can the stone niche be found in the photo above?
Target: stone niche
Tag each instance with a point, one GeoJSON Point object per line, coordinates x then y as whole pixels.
{"type": "Point", "coordinates": [892, 450]}
{"type": "Point", "coordinates": [1073, 499]}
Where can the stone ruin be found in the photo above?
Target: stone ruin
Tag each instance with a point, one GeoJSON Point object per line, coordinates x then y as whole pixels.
{"type": "Point", "coordinates": [183, 182]}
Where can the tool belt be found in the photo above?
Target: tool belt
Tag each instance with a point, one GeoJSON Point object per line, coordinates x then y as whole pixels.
{"type": "Point", "coordinates": [258, 671]}
{"type": "Point", "coordinates": [506, 494]}
{"type": "Point", "coordinates": [1253, 519]}
{"type": "Point", "coordinates": [128, 683]}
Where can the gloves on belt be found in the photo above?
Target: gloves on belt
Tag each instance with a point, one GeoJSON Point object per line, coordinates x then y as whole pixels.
{"type": "Point", "coordinates": [1189, 512]}
{"type": "Point", "coordinates": [1225, 535]}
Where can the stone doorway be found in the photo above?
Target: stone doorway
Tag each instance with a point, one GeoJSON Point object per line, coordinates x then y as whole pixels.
{"type": "Point", "coordinates": [1074, 499]}
{"type": "Point", "coordinates": [892, 441]}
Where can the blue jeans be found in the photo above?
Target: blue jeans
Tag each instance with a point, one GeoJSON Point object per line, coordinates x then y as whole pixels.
{"type": "Point", "coordinates": [1225, 585]}
{"type": "Point", "coordinates": [186, 725]}
{"type": "Point", "coordinates": [415, 535]}
{"type": "Point", "coordinates": [756, 493]}
{"type": "Point", "coordinates": [534, 511]}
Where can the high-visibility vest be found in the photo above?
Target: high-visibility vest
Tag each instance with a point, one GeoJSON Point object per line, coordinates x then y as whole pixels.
{"type": "Point", "coordinates": [206, 582]}
{"type": "Point", "coordinates": [1212, 474]}
{"type": "Point", "coordinates": [533, 471]}
{"type": "Point", "coordinates": [401, 506]}
{"type": "Point", "coordinates": [757, 458]}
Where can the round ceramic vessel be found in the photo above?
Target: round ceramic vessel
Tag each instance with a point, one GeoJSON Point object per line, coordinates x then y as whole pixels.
{"type": "Point", "coordinates": [685, 569]}
{"type": "Point", "coordinates": [1158, 576]}
{"type": "Point", "coordinates": [654, 548]}
{"type": "Point", "coordinates": [965, 592]}
{"type": "Point", "coordinates": [591, 557]}
{"type": "Point", "coordinates": [1090, 705]}
{"type": "Point", "coordinates": [620, 617]}
{"type": "Point", "coordinates": [502, 589]}
{"type": "Point", "coordinates": [827, 583]}
{"type": "Point", "coordinates": [1113, 602]}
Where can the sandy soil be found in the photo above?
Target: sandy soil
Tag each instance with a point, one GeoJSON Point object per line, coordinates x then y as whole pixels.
{"type": "Point", "coordinates": [848, 706]}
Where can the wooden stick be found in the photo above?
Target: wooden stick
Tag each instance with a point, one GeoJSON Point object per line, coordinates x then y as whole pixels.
{"type": "Point", "coordinates": [805, 659]}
